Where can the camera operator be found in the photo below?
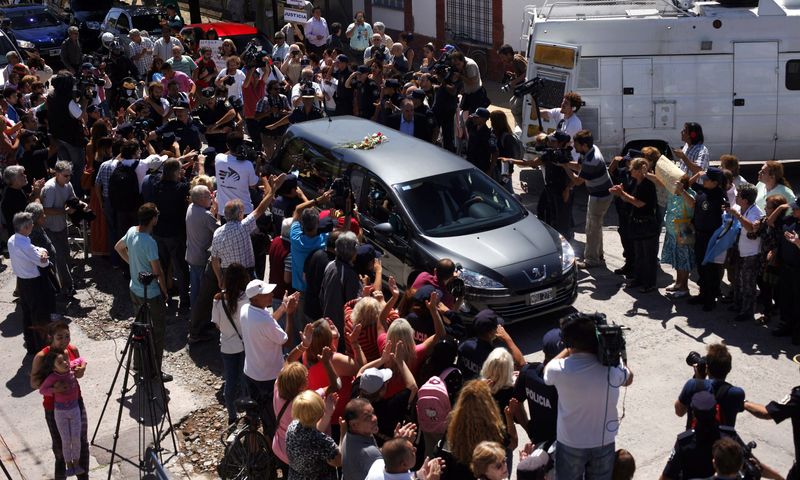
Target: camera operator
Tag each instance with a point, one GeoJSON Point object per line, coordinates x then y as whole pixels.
{"type": "Point", "coordinates": [565, 116]}
{"type": "Point", "coordinates": [367, 92]}
{"type": "Point", "coordinates": [586, 427]}
{"type": "Point", "coordinates": [390, 101]}
{"type": "Point", "coordinates": [306, 82]}
{"type": "Point", "coordinates": [482, 144]}
{"type": "Point", "coordinates": [306, 111]}
{"type": "Point", "coordinates": [376, 46]}
{"type": "Point", "coordinates": [473, 92]}
{"type": "Point", "coordinates": [516, 67]}
{"type": "Point", "coordinates": [217, 115]}
{"type": "Point", "coordinates": [65, 118]}
{"type": "Point", "coordinates": [447, 84]}
{"type": "Point", "coordinates": [789, 407]}
{"type": "Point", "coordinates": [710, 373]}
{"type": "Point", "coordinates": [140, 251]}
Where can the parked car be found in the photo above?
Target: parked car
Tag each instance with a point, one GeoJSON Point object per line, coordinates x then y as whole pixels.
{"type": "Point", "coordinates": [5, 46]}
{"type": "Point", "coordinates": [36, 27]}
{"type": "Point", "coordinates": [120, 20]}
{"type": "Point", "coordinates": [419, 203]}
{"type": "Point", "coordinates": [240, 33]}
{"type": "Point", "coordinates": [87, 15]}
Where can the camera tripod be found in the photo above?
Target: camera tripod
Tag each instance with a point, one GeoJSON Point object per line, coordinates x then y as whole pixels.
{"type": "Point", "coordinates": [153, 404]}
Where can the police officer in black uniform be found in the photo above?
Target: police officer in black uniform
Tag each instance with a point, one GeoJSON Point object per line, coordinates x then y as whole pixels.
{"type": "Point", "coordinates": [344, 95]}
{"type": "Point", "coordinates": [709, 203]}
{"type": "Point", "coordinates": [789, 260]}
{"type": "Point", "coordinates": [445, 103]}
{"type": "Point", "coordinates": [542, 399]}
{"type": "Point", "coordinates": [217, 116]}
{"type": "Point", "coordinates": [367, 91]}
{"type": "Point", "coordinates": [418, 97]}
{"type": "Point", "coordinates": [691, 456]}
{"type": "Point", "coordinates": [788, 407]}
{"type": "Point", "coordinates": [186, 129]}
{"type": "Point", "coordinates": [391, 100]}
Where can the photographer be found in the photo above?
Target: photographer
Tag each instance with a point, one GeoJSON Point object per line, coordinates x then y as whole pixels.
{"type": "Point", "coordinates": [206, 72]}
{"type": "Point", "coordinates": [473, 93]}
{"type": "Point", "coordinates": [390, 100]}
{"type": "Point", "coordinates": [584, 432]}
{"type": "Point", "coordinates": [65, 117]}
{"type": "Point", "coordinates": [376, 48]}
{"type": "Point", "coordinates": [306, 82]}
{"type": "Point", "coordinates": [306, 111]}
{"type": "Point", "coordinates": [329, 85]}
{"type": "Point", "coordinates": [445, 103]}
{"type": "Point", "coordinates": [232, 78]}
{"type": "Point", "coordinates": [139, 250]}
{"type": "Point", "coordinates": [235, 175]}
{"type": "Point", "coordinates": [709, 375]}
{"type": "Point", "coordinates": [119, 67]}
{"type": "Point", "coordinates": [516, 67]}
{"type": "Point", "coordinates": [344, 94]}
{"type": "Point", "coordinates": [270, 109]}
{"type": "Point", "coordinates": [367, 92]}
{"type": "Point", "coordinates": [565, 116]}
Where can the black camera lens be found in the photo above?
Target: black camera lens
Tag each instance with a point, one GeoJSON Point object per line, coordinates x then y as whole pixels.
{"type": "Point", "coordinates": [694, 359]}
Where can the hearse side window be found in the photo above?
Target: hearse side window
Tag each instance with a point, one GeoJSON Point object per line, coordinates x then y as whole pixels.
{"type": "Point", "coordinates": [315, 167]}
{"type": "Point", "coordinates": [793, 75]}
{"type": "Point", "coordinates": [380, 207]}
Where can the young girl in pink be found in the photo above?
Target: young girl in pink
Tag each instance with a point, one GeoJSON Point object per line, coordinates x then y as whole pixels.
{"type": "Point", "coordinates": [58, 379]}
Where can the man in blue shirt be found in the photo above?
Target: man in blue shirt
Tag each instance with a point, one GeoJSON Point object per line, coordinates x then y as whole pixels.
{"type": "Point", "coordinates": [139, 249]}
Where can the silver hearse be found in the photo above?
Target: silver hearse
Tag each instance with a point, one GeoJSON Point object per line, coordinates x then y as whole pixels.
{"type": "Point", "coordinates": [419, 203]}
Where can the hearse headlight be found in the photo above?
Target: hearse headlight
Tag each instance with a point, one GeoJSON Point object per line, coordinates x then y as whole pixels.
{"type": "Point", "coordinates": [567, 255]}
{"type": "Point", "coordinates": [479, 281]}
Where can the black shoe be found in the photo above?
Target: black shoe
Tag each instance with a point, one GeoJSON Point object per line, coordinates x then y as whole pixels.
{"type": "Point", "coordinates": [696, 300]}
{"type": "Point", "coordinates": [625, 270]}
{"type": "Point", "coordinates": [166, 377]}
{"type": "Point", "coordinates": [782, 331]}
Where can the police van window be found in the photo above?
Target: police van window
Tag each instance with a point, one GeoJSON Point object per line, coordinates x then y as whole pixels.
{"type": "Point", "coordinates": [588, 74]}
{"type": "Point", "coordinates": [793, 75]}
{"type": "Point", "coordinates": [314, 166]}
{"type": "Point", "coordinates": [123, 22]}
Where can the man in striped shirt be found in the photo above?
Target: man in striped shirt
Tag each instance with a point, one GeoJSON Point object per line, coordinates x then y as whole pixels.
{"type": "Point", "coordinates": [592, 170]}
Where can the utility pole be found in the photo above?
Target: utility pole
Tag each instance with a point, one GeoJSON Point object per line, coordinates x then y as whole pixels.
{"type": "Point", "coordinates": [194, 11]}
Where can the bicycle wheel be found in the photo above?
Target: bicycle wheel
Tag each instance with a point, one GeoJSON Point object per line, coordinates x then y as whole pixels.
{"type": "Point", "coordinates": [248, 457]}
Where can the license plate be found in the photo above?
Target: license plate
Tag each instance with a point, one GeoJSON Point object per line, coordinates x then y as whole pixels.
{"type": "Point", "coordinates": [541, 296]}
{"type": "Point", "coordinates": [54, 52]}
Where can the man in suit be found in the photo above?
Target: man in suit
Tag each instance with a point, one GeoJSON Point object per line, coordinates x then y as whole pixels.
{"type": "Point", "coordinates": [410, 122]}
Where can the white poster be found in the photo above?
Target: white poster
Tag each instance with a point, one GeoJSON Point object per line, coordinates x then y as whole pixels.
{"type": "Point", "coordinates": [291, 15]}
{"type": "Point", "coordinates": [215, 46]}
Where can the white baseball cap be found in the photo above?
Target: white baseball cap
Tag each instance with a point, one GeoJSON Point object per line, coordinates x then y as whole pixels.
{"type": "Point", "coordinates": [373, 379]}
{"type": "Point", "coordinates": [259, 287]}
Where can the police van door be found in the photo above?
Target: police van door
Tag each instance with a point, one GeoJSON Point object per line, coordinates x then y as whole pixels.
{"type": "Point", "coordinates": [755, 100]}
{"type": "Point", "coordinates": [637, 95]}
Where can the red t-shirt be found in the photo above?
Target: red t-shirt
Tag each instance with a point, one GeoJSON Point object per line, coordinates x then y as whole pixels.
{"type": "Point", "coordinates": [251, 95]}
{"type": "Point", "coordinates": [278, 250]}
{"type": "Point", "coordinates": [48, 401]}
{"type": "Point", "coordinates": [318, 378]}
{"type": "Point", "coordinates": [396, 384]}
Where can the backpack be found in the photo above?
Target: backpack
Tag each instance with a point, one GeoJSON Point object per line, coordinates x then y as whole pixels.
{"type": "Point", "coordinates": [719, 394]}
{"type": "Point", "coordinates": [433, 404]}
{"type": "Point", "coordinates": [123, 188]}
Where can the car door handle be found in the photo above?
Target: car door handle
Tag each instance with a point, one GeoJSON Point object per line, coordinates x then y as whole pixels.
{"type": "Point", "coordinates": [738, 102]}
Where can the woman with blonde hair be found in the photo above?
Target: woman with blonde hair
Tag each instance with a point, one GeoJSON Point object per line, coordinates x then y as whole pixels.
{"type": "Point", "coordinates": [475, 419]}
{"type": "Point", "coordinates": [489, 462]}
{"type": "Point", "coordinates": [311, 453]}
{"type": "Point", "coordinates": [373, 314]}
{"type": "Point", "coordinates": [498, 372]}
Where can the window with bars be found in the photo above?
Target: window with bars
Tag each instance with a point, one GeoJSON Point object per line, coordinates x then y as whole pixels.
{"type": "Point", "coordinates": [393, 4]}
{"type": "Point", "coordinates": [470, 20]}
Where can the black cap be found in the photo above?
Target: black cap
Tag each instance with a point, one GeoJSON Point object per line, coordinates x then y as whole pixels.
{"type": "Point", "coordinates": [209, 151]}
{"type": "Point", "coordinates": [552, 344]}
{"type": "Point", "coordinates": [418, 94]}
{"type": "Point", "coordinates": [362, 69]}
{"type": "Point", "coordinates": [289, 184]}
{"type": "Point", "coordinates": [342, 58]}
{"type": "Point", "coordinates": [365, 256]}
{"type": "Point", "coordinates": [714, 174]}
{"type": "Point", "coordinates": [482, 113]}
{"type": "Point", "coordinates": [559, 136]}
{"type": "Point", "coordinates": [124, 128]}
{"type": "Point", "coordinates": [424, 292]}
{"type": "Point", "coordinates": [392, 83]}
{"type": "Point", "coordinates": [485, 321]}
{"type": "Point", "coordinates": [703, 401]}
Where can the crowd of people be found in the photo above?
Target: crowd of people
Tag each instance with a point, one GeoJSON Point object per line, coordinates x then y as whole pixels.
{"type": "Point", "coordinates": [150, 149]}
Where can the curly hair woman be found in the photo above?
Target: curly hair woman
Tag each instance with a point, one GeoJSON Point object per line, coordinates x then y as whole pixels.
{"type": "Point", "coordinates": [473, 420]}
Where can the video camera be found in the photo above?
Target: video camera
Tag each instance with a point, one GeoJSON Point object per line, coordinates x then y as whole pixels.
{"type": "Point", "coordinates": [254, 56]}
{"type": "Point", "coordinates": [341, 186]}
{"type": "Point", "coordinates": [534, 87]}
{"type": "Point", "coordinates": [247, 151]}
{"type": "Point", "coordinates": [610, 341]}
{"type": "Point", "coordinates": [81, 213]}
{"type": "Point", "coordinates": [554, 155]}
{"type": "Point", "coordinates": [379, 53]}
{"type": "Point", "coordinates": [141, 128]}
{"type": "Point", "coordinates": [751, 468]}
{"type": "Point", "coordinates": [508, 77]}
{"type": "Point", "coordinates": [444, 66]}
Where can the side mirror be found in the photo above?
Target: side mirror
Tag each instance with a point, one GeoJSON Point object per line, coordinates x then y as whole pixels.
{"type": "Point", "coordinates": [384, 228]}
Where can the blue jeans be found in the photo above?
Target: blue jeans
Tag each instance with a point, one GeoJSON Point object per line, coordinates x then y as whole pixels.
{"type": "Point", "coordinates": [195, 279]}
{"type": "Point", "coordinates": [235, 386]}
{"type": "Point", "coordinates": [584, 463]}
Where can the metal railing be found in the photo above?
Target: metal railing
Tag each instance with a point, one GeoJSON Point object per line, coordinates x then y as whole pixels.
{"type": "Point", "coordinates": [568, 9]}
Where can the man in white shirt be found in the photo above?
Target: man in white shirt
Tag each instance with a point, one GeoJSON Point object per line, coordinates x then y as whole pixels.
{"type": "Point", "coordinates": [263, 345]}
{"type": "Point", "coordinates": [231, 78]}
{"type": "Point", "coordinates": [35, 294]}
{"type": "Point", "coordinates": [587, 402]}
{"type": "Point", "coordinates": [565, 118]}
{"type": "Point", "coordinates": [399, 457]}
{"type": "Point", "coordinates": [235, 177]}
{"type": "Point", "coordinates": [316, 31]}
{"type": "Point", "coordinates": [162, 47]}
{"type": "Point", "coordinates": [307, 75]}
